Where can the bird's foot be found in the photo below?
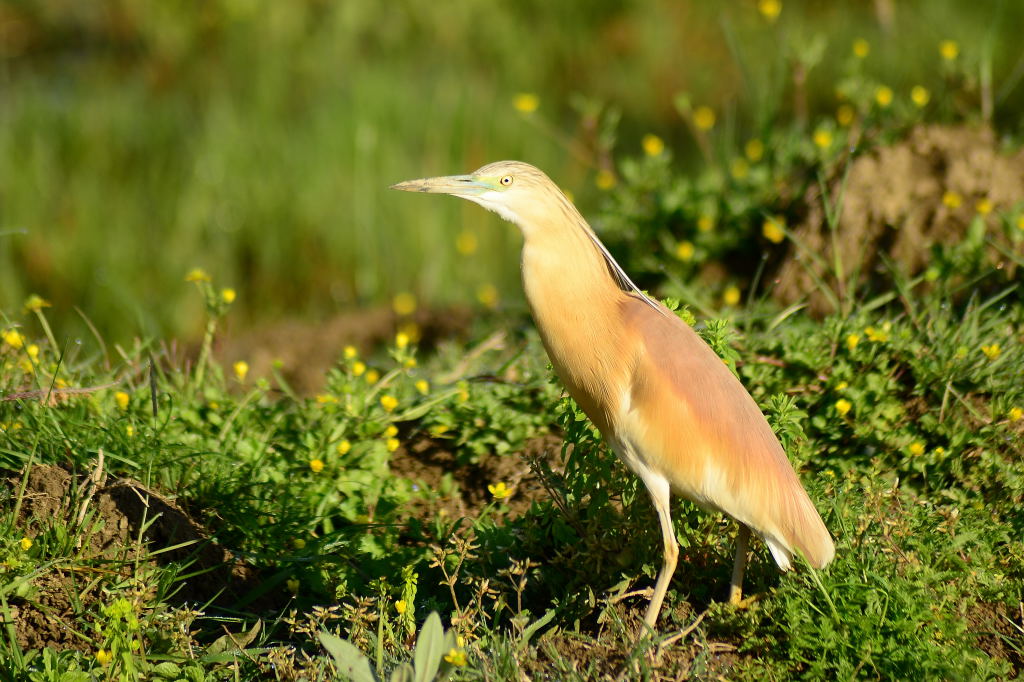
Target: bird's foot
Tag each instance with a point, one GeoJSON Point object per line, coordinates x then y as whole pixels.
{"type": "Point", "coordinates": [737, 601]}
{"type": "Point", "coordinates": [735, 595]}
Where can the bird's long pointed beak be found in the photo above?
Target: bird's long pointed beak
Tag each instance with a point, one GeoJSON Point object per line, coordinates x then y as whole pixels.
{"type": "Point", "coordinates": [448, 184]}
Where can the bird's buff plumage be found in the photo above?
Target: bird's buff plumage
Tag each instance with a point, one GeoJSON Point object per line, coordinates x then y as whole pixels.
{"type": "Point", "coordinates": [663, 400]}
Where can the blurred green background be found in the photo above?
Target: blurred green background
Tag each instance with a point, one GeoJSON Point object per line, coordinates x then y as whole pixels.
{"type": "Point", "coordinates": [257, 140]}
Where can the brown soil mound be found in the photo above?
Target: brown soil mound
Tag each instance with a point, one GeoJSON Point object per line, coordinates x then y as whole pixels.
{"type": "Point", "coordinates": [304, 351]}
{"type": "Point", "coordinates": [116, 524]}
{"type": "Point", "coordinates": [892, 206]}
{"type": "Point", "coordinates": [426, 460]}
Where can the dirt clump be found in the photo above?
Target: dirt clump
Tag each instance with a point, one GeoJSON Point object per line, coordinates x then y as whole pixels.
{"type": "Point", "coordinates": [897, 202]}
{"type": "Point", "coordinates": [605, 653]}
{"type": "Point", "coordinates": [996, 629]}
{"type": "Point", "coordinates": [426, 460]}
{"type": "Point", "coordinates": [116, 524]}
{"type": "Point", "coordinates": [304, 351]}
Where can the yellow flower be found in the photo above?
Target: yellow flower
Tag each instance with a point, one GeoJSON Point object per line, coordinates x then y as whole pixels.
{"type": "Point", "coordinates": [983, 206]}
{"type": "Point", "coordinates": [350, 352]}
{"type": "Point", "coordinates": [326, 399]}
{"type": "Point", "coordinates": [466, 243]}
{"type": "Point", "coordinates": [13, 339]}
{"type": "Point", "coordinates": [104, 657]}
{"type": "Point", "coordinates": [499, 490]}
{"type": "Point", "coordinates": [754, 149]}
{"type": "Point", "coordinates": [298, 543]}
{"type": "Point", "coordinates": [404, 303]}
{"type": "Point", "coordinates": [605, 179]}
{"type": "Point", "coordinates": [316, 465]}
{"type": "Point", "coordinates": [393, 444]}
{"type": "Point", "coordinates": [684, 251]}
{"type": "Point", "coordinates": [916, 448]}
{"type": "Point", "coordinates": [401, 340]}
{"type": "Point", "coordinates": [877, 335]}
{"type": "Point", "coordinates": [35, 303]}
{"type": "Point", "coordinates": [456, 657]}
{"type": "Point", "coordinates": [388, 402]}
{"type": "Point", "coordinates": [822, 138]}
{"type": "Point", "coordinates": [391, 431]}
{"type": "Point", "coordinates": [438, 429]}
{"type": "Point", "coordinates": [949, 50]}
{"type": "Point", "coordinates": [26, 544]}
{"type": "Point", "coordinates": [844, 115]}
{"type": "Point", "coordinates": [422, 386]}
{"type": "Point", "coordinates": [33, 351]}
{"type": "Point", "coordinates": [653, 145]}
{"type": "Point", "coordinates": [861, 48]}
{"type": "Point", "coordinates": [358, 368]}
{"type": "Point", "coordinates": [343, 447]}
{"type": "Point", "coordinates": [731, 295]}
{"type": "Point", "coordinates": [401, 606]}
{"type": "Point", "coordinates": [1020, 222]}
{"type": "Point", "coordinates": [773, 230]}
{"type": "Point", "coordinates": [121, 398]}
{"type": "Point", "coordinates": [241, 369]}
{"type": "Point", "coordinates": [129, 431]}
{"type": "Point", "coordinates": [409, 363]}
{"type": "Point", "coordinates": [197, 275]}
{"type": "Point", "coordinates": [883, 96]}
{"type": "Point", "coordinates": [704, 118]}
{"type": "Point", "coordinates": [769, 9]}
{"type": "Point", "coordinates": [920, 96]}
{"type": "Point", "coordinates": [739, 168]}
{"type": "Point", "coordinates": [463, 395]}
{"type": "Point", "coordinates": [372, 376]}
{"type": "Point", "coordinates": [228, 295]}
{"type": "Point", "coordinates": [951, 199]}
{"type": "Point", "coordinates": [940, 451]}
{"type": "Point", "coordinates": [526, 102]}
{"type": "Point", "coordinates": [842, 386]}
{"type": "Point", "coordinates": [992, 351]}
{"type": "Point", "coordinates": [412, 329]}
{"type": "Point", "coordinates": [705, 223]}
{"type": "Point", "coordinates": [1015, 413]}
{"type": "Point", "coordinates": [293, 585]}
{"type": "Point", "coordinates": [487, 295]}
{"type": "Point", "coordinates": [852, 340]}
{"type": "Point", "coordinates": [843, 406]}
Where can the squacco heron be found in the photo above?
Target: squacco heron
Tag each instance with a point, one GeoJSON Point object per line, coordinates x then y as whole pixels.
{"type": "Point", "coordinates": [663, 400]}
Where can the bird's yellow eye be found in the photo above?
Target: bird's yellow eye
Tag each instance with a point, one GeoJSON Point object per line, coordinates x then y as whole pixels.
{"type": "Point", "coordinates": [507, 180]}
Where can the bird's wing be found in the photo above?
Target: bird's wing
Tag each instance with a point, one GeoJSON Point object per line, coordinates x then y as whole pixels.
{"type": "Point", "coordinates": [692, 420]}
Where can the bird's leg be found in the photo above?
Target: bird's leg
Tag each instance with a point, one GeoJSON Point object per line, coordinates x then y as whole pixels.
{"type": "Point", "coordinates": [736, 586]}
{"type": "Point", "coordinates": [658, 487]}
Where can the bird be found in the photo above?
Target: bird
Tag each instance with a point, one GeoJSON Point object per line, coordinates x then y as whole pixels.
{"type": "Point", "coordinates": [663, 400]}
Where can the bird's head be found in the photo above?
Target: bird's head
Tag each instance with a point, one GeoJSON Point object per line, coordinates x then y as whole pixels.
{"type": "Point", "coordinates": [516, 191]}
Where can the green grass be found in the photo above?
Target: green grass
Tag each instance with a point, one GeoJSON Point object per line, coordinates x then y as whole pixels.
{"type": "Point", "coordinates": [920, 482]}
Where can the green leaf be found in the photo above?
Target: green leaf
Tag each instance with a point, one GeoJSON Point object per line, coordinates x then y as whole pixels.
{"type": "Point", "coordinates": [167, 670]}
{"type": "Point", "coordinates": [533, 627]}
{"type": "Point", "coordinates": [403, 673]}
{"type": "Point", "coordinates": [349, 660]}
{"type": "Point", "coordinates": [429, 649]}
{"type": "Point", "coordinates": [229, 642]}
